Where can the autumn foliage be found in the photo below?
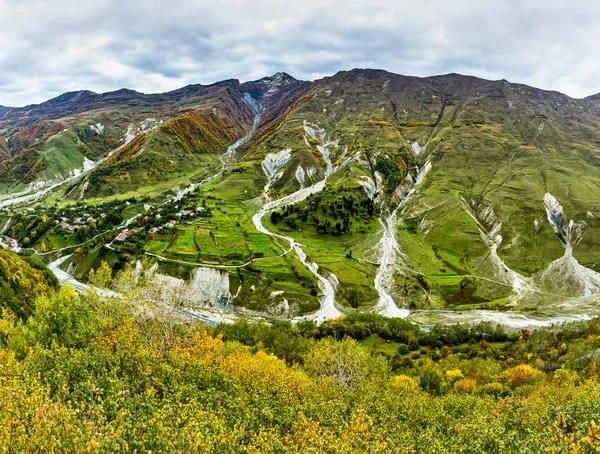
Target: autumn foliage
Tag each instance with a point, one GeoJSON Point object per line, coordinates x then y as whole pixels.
{"type": "Point", "coordinates": [91, 373]}
{"type": "Point", "coordinates": [22, 282]}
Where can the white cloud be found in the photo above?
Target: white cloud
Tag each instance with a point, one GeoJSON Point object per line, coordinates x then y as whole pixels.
{"type": "Point", "coordinates": [49, 47]}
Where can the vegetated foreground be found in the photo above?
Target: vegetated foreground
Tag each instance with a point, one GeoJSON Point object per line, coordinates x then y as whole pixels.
{"type": "Point", "coordinates": [92, 373]}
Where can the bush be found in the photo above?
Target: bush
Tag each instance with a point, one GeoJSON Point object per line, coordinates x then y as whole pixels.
{"type": "Point", "coordinates": [453, 375]}
{"type": "Point", "coordinates": [403, 349]}
{"type": "Point", "coordinates": [308, 328]}
{"type": "Point", "coordinates": [430, 381]}
{"type": "Point", "coordinates": [63, 319]}
{"type": "Point", "coordinates": [522, 375]}
{"type": "Point", "coordinates": [407, 362]}
{"type": "Point", "coordinates": [345, 362]}
{"type": "Point", "coordinates": [413, 343]}
{"type": "Point", "coordinates": [491, 389]}
{"type": "Point", "coordinates": [404, 383]}
{"type": "Point", "coordinates": [359, 330]}
{"type": "Point", "coordinates": [465, 386]}
{"type": "Point", "coordinates": [564, 378]}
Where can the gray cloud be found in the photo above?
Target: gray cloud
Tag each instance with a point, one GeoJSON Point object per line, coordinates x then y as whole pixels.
{"type": "Point", "coordinates": [49, 47]}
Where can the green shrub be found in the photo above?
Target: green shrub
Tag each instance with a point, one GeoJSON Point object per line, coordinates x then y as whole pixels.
{"type": "Point", "coordinates": [403, 349]}
{"type": "Point", "coordinates": [430, 380]}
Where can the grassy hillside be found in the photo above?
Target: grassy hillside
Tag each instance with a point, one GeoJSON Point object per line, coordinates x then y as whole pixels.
{"type": "Point", "coordinates": [86, 125]}
{"type": "Point", "coordinates": [489, 142]}
{"type": "Point", "coordinates": [177, 149]}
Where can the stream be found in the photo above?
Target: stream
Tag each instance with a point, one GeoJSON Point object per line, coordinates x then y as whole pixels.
{"type": "Point", "coordinates": [390, 249]}
{"type": "Point", "coordinates": [328, 284]}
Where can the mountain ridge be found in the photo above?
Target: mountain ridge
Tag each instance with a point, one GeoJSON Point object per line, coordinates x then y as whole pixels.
{"type": "Point", "coordinates": [135, 93]}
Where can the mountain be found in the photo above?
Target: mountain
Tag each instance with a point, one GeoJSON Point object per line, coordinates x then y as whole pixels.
{"type": "Point", "coordinates": [45, 143]}
{"type": "Point", "coordinates": [365, 190]}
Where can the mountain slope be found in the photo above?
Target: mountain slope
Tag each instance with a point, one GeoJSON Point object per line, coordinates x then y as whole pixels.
{"type": "Point", "coordinates": [490, 144]}
{"type": "Point", "coordinates": [364, 190]}
{"type": "Point", "coordinates": [74, 132]}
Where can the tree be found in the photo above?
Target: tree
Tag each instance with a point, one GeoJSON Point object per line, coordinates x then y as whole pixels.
{"type": "Point", "coordinates": [430, 380]}
{"type": "Point", "coordinates": [338, 228]}
{"type": "Point", "coordinates": [63, 319]}
{"type": "Point", "coordinates": [344, 362]}
{"type": "Point", "coordinates": [83, 233]}
{"type": "Point", "coordinates": [465, 386]}
{"type": "Point", "coordinates": [523, 374]}
{"type": "Point", "coordinates": [102, 277]}
{"type": "Point", "coordinates": [403, 349]}
{"type": "Point", "coordinates": [413, 343]}
{"type": "Point", "coordinates": [359, 330]}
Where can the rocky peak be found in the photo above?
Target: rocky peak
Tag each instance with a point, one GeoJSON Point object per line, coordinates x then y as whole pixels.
{"type": "Point", "coordinates": [274, 89]}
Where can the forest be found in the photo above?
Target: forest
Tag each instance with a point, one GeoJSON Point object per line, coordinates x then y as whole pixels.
{"type": "Point", "coordinates": [331, 213]}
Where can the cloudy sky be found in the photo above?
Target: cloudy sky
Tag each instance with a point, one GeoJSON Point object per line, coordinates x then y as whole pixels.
{"type": "Point", "coordinates": [52, 46]}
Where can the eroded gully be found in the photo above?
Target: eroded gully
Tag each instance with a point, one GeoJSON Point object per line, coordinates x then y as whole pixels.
{"type": "Point", "coordinates": [329, 282]}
